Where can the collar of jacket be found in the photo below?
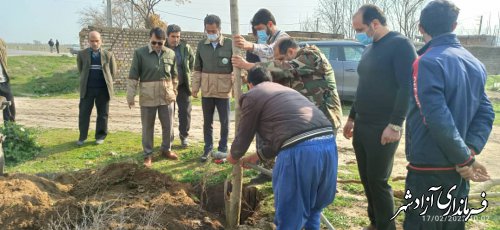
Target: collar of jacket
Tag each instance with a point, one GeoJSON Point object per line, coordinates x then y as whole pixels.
{"type": "Point", "coordinates": [221, 40]}
{"type": "Point", "coordinates": [449, 39]}
{"type": "Point", "coordinates": [91, 50]}
{"type": "Point", "coordinates": [163, 48]}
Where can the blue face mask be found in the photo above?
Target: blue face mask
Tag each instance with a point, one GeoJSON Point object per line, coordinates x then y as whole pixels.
{"type": "Point", "coordinates": [212, 37]}
{"type": "Point", "coordinates": [262, 36]}
{"type": "Point", "coordinates": [364, 38]}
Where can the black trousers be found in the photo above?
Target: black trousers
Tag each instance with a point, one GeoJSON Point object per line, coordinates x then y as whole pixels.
{"type": "Point", "coordinates": [184, 111]}
{"type": "Point", "coordinates": [419, 184]}
{"type": "Point", "coordinates": [208, 105]}
{"type": "Point", "coordinates": [9, 114]}
{"type": "Point", "coordinates": [375, 166]}
{"type": "Point", "coordinates": [99, 97]}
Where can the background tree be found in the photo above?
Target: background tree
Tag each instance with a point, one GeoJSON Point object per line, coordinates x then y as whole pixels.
{"type": "Point", "coordinates": [146, 8]}
{"type": "Point", "coordinates": [405, 15]}
{"type": "Point", "coordinates": [123, 17]}
{"type": "Point", "coordinates": [336, 15]}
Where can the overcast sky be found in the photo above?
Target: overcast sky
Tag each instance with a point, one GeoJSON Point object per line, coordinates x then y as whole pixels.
{"type": "Point", "coordinates": [28, 20]}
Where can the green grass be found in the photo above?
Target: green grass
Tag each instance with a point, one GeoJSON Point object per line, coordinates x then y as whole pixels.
{"type": "Point", "coordinates": [490, 82]}
{"type": "Point", "coordinates": [496, 108]}
{"type": "Point", "coordinates": [44, 76]}
{"type": "Point", "coordinates": [60, 154]}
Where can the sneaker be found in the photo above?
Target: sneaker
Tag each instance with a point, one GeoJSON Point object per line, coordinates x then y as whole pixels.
{"type": "Point", "coordinates": [260, 179]}
{"type": "Point", "coordinates": [184, 142]}
{"type": "Point", "coordinates": [205, 156]}
{"type": "Point", "coordinates": [80, 142]}
{"type": "Point", "coordinates": [219, 155]}
{"type": "Point", "coordinates": [99, 141]}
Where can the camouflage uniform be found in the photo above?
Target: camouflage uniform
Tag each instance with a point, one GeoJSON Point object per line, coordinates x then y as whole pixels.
{"type": "Point", "coordinates": [311, 74]}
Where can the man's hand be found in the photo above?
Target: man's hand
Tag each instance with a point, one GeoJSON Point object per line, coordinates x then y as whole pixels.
{"type": "Point", "coordinates": [389, 136]}
{"type": "Point", "coordinates": [239, 62]}
{"type": "Point", "coordinates": [194, 94]}
{"type": "Point", "coordinates": [230, 159]}
{"type": "Point", "coordinates": [348, 128]}
{"type": "Point", "coordinates": [240, 42]}
{"type": "Point", "coordinates": [131, 104]}
{"type": "Point", "coordinates": [252, 159]}
{"type": "Point", "coordinates": [476, 172]}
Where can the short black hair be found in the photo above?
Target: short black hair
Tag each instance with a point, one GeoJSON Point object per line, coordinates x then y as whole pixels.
{"type": "Point", "coordinates": [211, 19]}
{"type": "Point", "coordinates": [262, 17]}
{"type": "Point", "coordinates": [438, 17]}
{"type": "Point", "coordinates": [371, 12]}
{"type": "Point", "coordinates": [257, 75]}
{"type": "Point", "coordinates": [285, 44]}
{"type": "Point", "coordinates": [158, 32]}
{"type": "Point", "coordinates": [173, 28]}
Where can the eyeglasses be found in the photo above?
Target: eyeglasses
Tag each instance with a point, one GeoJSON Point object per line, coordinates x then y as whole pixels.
{"type": "Point", "coordinates": [156, 43]}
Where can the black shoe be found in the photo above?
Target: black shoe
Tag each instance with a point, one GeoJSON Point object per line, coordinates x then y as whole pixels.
{"type": "Point", "coordinates": [261, 179]}
{"type": "Point", "coordinates": [204, 157]}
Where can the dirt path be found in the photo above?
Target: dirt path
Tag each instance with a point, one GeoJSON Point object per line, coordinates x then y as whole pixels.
{"type": "Point", "coordinates": [63, 113]}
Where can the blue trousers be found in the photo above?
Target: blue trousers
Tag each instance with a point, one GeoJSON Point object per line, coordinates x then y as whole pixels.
{"type": "Point", "coordinates": [304, 182]}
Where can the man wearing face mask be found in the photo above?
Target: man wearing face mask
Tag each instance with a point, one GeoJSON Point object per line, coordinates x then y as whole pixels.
{"type": "Point", "coordinates": [212, 73]}
{"type": "Point", "coordinates": [267, 34]}
{"type": "Point", "coordinates": [154, 69]}
{"type": "Point", "coordinates": [185, 62]}
{"type": "Point", "coordinates": [306, 70]}
{"type": "Point", "coordinates": [380, 108]}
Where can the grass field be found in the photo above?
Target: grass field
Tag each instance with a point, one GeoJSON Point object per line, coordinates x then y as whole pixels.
{"type": "Point", "coordinates": [37, 76]}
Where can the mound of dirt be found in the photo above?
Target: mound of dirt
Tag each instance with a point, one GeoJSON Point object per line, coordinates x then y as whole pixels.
{"type": "Point", "coordinates": [121, 195]}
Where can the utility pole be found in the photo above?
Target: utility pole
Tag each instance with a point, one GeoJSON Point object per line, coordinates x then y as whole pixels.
{"type": "Point", "coordinates": [317, 24]}
{"type": "Point", "coordinates": [108, 14]}
{"type": "Point", "coordinates": [480, 24]}
{"type": "Point", "coordinates": [131, 14]}
{"type": "Point", "coordinates": [233, 204]}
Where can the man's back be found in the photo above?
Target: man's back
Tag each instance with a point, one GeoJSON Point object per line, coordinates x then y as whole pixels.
{"type": "Point", "coordinates": [449, 105]}
{"type": "Point", "coordinates": [276, 113]}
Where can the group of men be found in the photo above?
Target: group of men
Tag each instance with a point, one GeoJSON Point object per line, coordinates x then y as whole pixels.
{"type": "Point", "coordinates": [294, 111]}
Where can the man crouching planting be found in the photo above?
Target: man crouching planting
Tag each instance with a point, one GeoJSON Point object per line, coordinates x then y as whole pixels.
{"type": "Point", "coordinates": [301, 138]}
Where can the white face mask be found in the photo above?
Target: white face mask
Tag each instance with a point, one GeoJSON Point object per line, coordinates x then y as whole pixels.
{"type": "Point", "coordinates": [212, 37]}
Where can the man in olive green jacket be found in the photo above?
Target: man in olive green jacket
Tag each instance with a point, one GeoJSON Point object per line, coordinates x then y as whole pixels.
{"type": "Point", "coordinates": [185, 61]}
{"type": "Point", "coordinates": [213, 74]}
{"type": "Point", "coordinates": [154, 70]}
{"type": "Point", "coordinates": [97, 68]}
{"type": "Point", "coordinates": [9, 114]}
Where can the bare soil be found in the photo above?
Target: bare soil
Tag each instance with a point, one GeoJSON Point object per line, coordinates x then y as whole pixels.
{"type": "Point", "coordinates": [121, 195]}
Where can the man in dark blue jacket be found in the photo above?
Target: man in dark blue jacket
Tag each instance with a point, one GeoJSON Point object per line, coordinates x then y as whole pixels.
{"type": "Point", "coordinates": [449, 119]}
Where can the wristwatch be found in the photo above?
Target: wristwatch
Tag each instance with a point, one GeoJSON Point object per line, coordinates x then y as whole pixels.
{"type": "Point", "coordinates": [396, 128]}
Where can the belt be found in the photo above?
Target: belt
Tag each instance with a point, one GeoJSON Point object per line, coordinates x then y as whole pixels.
{"type": "Point", "coordinates": [307, 135]}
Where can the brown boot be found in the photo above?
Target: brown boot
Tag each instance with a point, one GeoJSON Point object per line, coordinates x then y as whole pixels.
{"type": "Point", "coordinates": [170, 155]}
{"type": "Point", "coordinates": [148, 161]}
